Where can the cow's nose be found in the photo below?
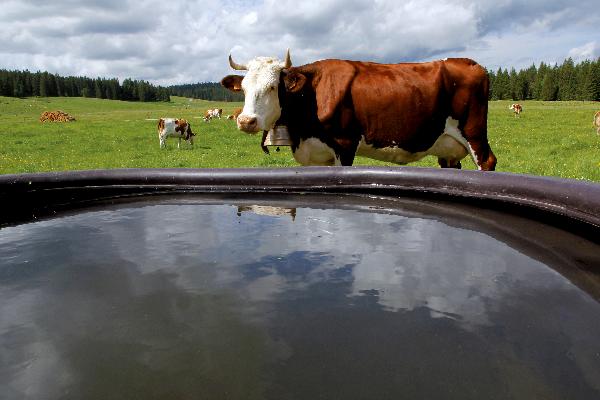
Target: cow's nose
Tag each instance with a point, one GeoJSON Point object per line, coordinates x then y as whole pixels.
{"type": "Point", "coordinates": [247, 123]}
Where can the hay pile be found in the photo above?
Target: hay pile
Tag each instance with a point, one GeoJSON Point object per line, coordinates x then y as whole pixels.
{"type": "Point", "coordinates": [56, 116]}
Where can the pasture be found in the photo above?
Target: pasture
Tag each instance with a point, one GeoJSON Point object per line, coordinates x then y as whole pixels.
{"type": "Point", "coordinates": [549, 138]}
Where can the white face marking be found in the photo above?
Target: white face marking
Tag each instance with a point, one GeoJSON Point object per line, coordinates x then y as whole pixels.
{"type": "Point", "coordinates": [312, 151]}
{"type": "Point", "coordinates": [450, 145]}
{"type": "Point", "coordinates": [260, 89]}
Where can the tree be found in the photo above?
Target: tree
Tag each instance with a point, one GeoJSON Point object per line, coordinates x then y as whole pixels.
{"type": "Point", "coordinates": [44, 85]}
{"type": "Point", "coordinates": [592, 82]}
{"type": "Point", "coordinates": [549, 90]}
{"type": "Point", "coordinates": [98, 89]}
{"type": "Point", "coordinates": [18, 87]}
{"type": "Point", "coordinates": [566, 80]}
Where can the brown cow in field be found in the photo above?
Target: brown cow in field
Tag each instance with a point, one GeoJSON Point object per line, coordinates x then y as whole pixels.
{"type": "Point", "coordinates": [516, 108]}
{"type": "Point", "coordinates": [597, 122]}
{"type": "Point", "coordinates": [212, 113]}
{"type": "Point", "coordinates": [178, 128]}
{"type": "Point", "coordinates": [337, 109]}
{"type": "Point", "coordinates": [235, 114]}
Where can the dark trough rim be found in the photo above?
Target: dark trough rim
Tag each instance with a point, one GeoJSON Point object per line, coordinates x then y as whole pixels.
{"type": "Point", "coordinates": [570, 201]}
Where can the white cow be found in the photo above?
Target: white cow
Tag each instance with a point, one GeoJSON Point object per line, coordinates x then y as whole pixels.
{"type": "Point", "coordinates": [213, 113]}
{"type": "Point", "coordinates": [516, 108]}
{"type": "Point", "coordinates": [178, 128]}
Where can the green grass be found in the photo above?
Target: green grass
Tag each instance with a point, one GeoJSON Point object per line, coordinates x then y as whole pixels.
{"type": "Point", "coordinates": [549, 138]}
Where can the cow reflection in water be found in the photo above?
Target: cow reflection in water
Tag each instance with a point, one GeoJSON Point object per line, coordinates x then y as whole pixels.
{"type": "Point", "coordinates": [268, 210]}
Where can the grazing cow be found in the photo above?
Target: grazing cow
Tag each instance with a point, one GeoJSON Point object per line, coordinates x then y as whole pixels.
{"type": "Point", "coordinates": [597, 122]}
{"type": "Point", "coordinates": [178, 128]}
{"type": "Point", "coordinates": [235, 114]}
{"type": "Point", "coordinates": [213, 113]}
{"type": "Point", "coordinates": [517, 108]}
{"type": "Point", "coordinates": [336, 109]}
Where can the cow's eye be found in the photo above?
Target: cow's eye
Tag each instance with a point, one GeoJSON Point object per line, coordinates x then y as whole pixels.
{"type": "Point", "coordinates": [272, 88]}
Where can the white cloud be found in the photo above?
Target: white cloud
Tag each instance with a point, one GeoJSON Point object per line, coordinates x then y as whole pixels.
{"type": "Point", "coordinates": [588, 51]}
{"type": "Point", "coordinates": [188, 41]}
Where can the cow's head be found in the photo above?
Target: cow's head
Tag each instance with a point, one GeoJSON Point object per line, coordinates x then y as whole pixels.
{"type": "Point", "coordinates": [260, 85]}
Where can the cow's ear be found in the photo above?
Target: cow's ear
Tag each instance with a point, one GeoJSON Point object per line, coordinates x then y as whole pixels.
{"type": "Point", "coordinates": [294, 81]}
{"type": "Point", "coordinates": [232, 82]}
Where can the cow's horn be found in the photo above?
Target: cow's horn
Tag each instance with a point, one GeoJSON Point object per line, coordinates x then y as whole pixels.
{"type": "Point", "coordinates": [236, 66]}
{"type": "Point", "coordinates": [288, 60]}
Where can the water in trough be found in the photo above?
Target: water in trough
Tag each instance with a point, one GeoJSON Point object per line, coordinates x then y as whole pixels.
{"type": "Point", "coordinates": [187, 299]}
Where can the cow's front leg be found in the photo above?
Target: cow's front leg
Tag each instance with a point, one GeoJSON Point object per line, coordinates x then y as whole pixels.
{"type": "Point", "coordinates": [346, 151]}
{"type": "Point", "coordinates": [346, 157]}
{"type": "Point", "coordinates": [449, 163]}
{"type": "Point", "coordinates": [264, 148]}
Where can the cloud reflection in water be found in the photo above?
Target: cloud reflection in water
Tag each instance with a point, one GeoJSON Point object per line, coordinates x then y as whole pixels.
{"type": "Point", "coordinates": [177, 300]}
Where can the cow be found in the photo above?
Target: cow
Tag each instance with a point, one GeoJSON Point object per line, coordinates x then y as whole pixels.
{"type": "Point", "coordinates": [213, 113]}
{"type": "Point", "coordinates": [517, 108]}
{"type": "Point", "coordinates": [178, 128]}
{"type": "Point", "coordinates": [337, 109]}
{"type": "Point", "coordinates": [597, 122]}
{"type": "Point", "coordinates": [235, 114]}
{"type": "Point", "coordinates": [268, 210]}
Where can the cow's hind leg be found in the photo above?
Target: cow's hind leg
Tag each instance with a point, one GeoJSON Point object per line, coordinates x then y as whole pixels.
{"type": "Point", "coordinates": [475, 132]}
{"type": "Point", "coordinates": [482, 155]}
{"type": "Point", "coordinates": [449, 163]}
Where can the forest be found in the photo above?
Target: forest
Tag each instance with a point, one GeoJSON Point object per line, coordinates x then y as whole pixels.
{"type": "Point", "coordinates": [45, 84]}
{"type": "Point", "coordinates": [206, 91]}
{"type": "Point", "coordinates": [568, 81]}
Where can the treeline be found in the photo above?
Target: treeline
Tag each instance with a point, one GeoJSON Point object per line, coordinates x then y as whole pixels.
{"type": "Point", "coordinates": [45, 84]}
{"type": "Point", "coordinates": [568, 81]}
{"type": "Point", "coordinates": [206, 91]}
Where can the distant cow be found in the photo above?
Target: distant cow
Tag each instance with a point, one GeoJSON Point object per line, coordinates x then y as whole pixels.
{"type": "Point", "coordinates": [597, 122]}
{"type": "Point", "coordinates": [235, 114]}
{"type": "Point", "coordinates": [517, 108]}
{"type": "Point", "coordinates": [178, 128]}
{"type": "Point", "coordinates": [400, 113]}
{"type": "Point", "coordinates": [213, 113]}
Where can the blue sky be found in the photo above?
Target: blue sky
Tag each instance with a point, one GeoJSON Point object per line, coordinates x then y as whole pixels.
{"type": "Point", "coordinates": [180, 41]}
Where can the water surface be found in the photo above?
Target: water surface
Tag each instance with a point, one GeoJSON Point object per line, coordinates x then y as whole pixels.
{"type": "Point", "coordinates": [200, 301]}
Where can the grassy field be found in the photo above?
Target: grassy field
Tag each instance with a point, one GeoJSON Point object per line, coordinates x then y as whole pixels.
{"type": "Point", "coordinates": [549, 138]}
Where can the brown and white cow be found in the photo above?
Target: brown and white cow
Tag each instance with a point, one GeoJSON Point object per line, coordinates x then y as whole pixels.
{"type": "Point", "coordinates": [516, 108]}
{"type": "Point", "coordinates": [597, 122]}
{"type": "Point", "coordinates": [213, 113]}
{"type": "Point", "coordinates": [235, 114]}
{"type": "Point", "coordinates": [337, 109]}
{"type": "Point", "coordinates": [178, 128]}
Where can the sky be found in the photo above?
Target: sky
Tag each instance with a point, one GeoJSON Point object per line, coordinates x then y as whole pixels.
{"type": "Point", "coordinates": [187, 41]}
